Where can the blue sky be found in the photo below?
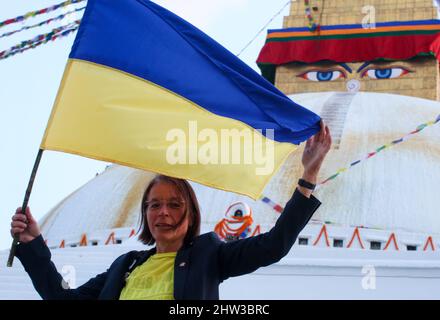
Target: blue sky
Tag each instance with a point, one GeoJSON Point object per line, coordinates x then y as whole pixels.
{"type": "Point", "coordinates": [29, 83]}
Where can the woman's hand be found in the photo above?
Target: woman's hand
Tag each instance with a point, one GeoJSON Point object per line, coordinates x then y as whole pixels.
{"type": "Point", "coordinates": [24, 225]}
{"type": "Point", "coordinates": [314, 153]}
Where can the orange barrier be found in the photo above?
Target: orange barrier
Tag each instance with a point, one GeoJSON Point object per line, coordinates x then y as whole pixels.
{"type": "Point", "coordinates": [112, 238]}
{"type": "Point", "coordinates": [323, 231]}
{"type": "Point", "coordinates": [256, 231]}
{"type": "Point", "coordinates": [83, 241]}
{"type": "Point", "coordinates": [223, 229]}
{"type": "Point", "coordinates": [392, 238]}
{"type": "Point", "coordinates": [429, 241]}
{"type": "Point", "coordinates": [358, 236]}
{"type": "Point", "coordinates": [132, 233]}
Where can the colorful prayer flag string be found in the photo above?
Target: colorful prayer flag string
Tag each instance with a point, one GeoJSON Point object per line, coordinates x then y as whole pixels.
{"type": "Point", "coordinates": [274, 205]}
{"type": "Point", "coordinates": [38, 12]}
{"type": "Point", "coordinates": [60, 17]}
{"type": "Point", "coordinates": [312, 24]}
{"type": "Point", "coordinates": [278, 208]}
{"type": "Point", "coordinates": [40, 39]}
{"type": "Point", "coordinates": [384, 147]}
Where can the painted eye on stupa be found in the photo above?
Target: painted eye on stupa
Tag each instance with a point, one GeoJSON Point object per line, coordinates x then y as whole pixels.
{"type": "Point", "coordinates": [238, 213]}
{"type": "Point", "coordinates": [327, 75]}
{"type": "Point", "coordinates": [385, 73]}
{"type": "Point", "coordinates": [238, 210]}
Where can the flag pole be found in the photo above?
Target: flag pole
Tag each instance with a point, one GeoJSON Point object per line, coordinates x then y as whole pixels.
{"type": "Point", "coordinates": [25, 204]}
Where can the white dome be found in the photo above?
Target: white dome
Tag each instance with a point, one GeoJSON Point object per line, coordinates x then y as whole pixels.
{"type": "Point", "coordinates": [396, 189]}
{"type": "Point", "coordinates": [110, 200]}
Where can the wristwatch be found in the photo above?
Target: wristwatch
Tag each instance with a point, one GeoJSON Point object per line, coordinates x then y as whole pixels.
{"type": "Point", "coordinates": [306, 184]}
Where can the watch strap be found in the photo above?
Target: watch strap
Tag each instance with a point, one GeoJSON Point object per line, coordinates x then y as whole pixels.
{"type": "Point", "coordinates": [306, 184]}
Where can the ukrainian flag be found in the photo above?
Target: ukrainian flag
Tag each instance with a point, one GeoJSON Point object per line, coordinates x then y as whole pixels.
{"type": "Point", "coordinates": [142, 88]}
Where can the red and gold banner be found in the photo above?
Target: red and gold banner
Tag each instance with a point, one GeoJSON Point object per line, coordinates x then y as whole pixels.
{"type": "Point", "coordinates": [401, 40]}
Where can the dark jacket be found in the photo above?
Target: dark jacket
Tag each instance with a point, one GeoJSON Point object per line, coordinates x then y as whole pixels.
{"type": "Point", "coordinates": [199, 267]}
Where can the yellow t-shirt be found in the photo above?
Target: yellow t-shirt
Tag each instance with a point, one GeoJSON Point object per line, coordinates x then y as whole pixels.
{"type": "Point", "coordinates": [153, 280]}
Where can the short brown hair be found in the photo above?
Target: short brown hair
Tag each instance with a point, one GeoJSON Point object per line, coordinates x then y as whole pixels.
{"type": "Point", "coordinates": [191, 208]}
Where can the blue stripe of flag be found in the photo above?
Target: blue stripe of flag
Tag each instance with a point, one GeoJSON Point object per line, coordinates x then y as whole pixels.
{"type": "Point", "coordinates": [148, 41]}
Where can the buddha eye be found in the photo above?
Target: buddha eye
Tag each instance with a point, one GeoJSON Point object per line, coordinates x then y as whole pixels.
{"type": "Point", "coordinates": [238, 210]}
{"type": "Point", "coordinates": [330, 75]}
{"type": "Point", "coordinates": [238, 213]}
{"type": "Point", "coordinates": [385, 73]}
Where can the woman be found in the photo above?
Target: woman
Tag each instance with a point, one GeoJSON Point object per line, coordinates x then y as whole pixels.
{"type": "Point", "coordinates": [183, 264]}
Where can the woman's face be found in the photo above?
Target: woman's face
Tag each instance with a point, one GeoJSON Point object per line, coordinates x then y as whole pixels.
{"type": "Point", "coordinates": [165, 209]}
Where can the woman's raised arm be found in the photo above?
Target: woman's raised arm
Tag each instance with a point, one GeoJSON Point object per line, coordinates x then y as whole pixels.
{"type": "Point", "coordinates": [244, 256]}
